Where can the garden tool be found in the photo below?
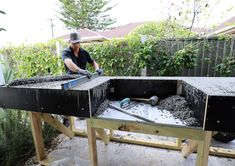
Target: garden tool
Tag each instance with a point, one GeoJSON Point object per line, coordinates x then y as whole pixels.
{"type": "Point", "coordinates": [129, 113]}
{"type": "Point", "coordinates": [152, 100]}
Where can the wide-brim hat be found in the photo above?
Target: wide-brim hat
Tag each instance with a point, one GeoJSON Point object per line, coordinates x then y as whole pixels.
{"type": "Point", "coordinates": [74, 37]}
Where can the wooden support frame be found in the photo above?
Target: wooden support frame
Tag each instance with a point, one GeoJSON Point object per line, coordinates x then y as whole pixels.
{"type": "Point", "coordinates": [203, 149]}
{"type": "Point", "coordinates": [56, 124]}
{"type": "Point", "coordinates": [203, 137]}
{"type": "Point", "coordinates": [92, 144]}
{"type": "Point", "coordinates": [199, 139]}
{"type": "Point", "coordinates": [103, 135]}
{"type": "Point", "coordinates": [178, 145]}
{"type": "Point", "coordinates": [36, 126]}
{"type": "Point", "coordinates": [189, 148]}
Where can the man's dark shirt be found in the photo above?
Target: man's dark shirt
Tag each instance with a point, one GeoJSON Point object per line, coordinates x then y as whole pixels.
{"type": "Point", "coordinates": [80, 61]}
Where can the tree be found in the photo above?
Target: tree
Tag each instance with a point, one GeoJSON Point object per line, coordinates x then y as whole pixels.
{"type": "Point", "coordinates": [2, 29]}
{"type": "Point", "coordinates": [91, 14]}
{"type": "Point", "coordinates": [193, 13]}
{"type": "Point", "coordinates": [161, 30]}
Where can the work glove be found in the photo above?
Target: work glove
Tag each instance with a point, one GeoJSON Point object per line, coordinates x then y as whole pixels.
{"type": "Point", "coordinates": [86, 73]}
{"type": "Point", "coordinates": [100, 71]}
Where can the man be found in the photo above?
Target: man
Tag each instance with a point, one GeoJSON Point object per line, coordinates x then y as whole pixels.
{"type": "Point", "coordinates": [75, 58]}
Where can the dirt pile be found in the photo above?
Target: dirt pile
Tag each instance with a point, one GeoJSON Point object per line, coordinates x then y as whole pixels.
{"type": "Point", "coordinates": [179, 108]}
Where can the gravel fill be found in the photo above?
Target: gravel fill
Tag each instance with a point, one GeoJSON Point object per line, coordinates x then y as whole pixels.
{"type": "Point", "coordinates": [103, 106]}
{"type": "Point", "coordinates": [179, 108]}
{"type": "Point", "coordinates": [40, 79]}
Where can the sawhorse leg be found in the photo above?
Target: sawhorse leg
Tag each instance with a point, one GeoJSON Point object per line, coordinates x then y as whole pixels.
{"type": "Point", "coordinates": [91, 135]}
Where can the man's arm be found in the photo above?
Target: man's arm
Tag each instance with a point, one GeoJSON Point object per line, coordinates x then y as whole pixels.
{"type": "Point", "coordinates": [95, 65]}
{"type": "Point", "coordinates": [97, 69]}
{"type": "Point", "coordinates": [72, 66]}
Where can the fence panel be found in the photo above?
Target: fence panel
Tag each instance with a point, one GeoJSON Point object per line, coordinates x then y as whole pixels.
{"type": "Point", "coordinates": [211, 52]}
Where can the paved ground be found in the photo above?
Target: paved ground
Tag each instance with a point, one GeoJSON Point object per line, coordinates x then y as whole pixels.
{"type": "Point", "coordinates": [75, 152]}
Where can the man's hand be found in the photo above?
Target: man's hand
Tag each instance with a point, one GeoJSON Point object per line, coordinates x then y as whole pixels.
{"type": "Point", "coordinates": [86, 73]}
{"type": "Point", "coordinates": [100, 71]}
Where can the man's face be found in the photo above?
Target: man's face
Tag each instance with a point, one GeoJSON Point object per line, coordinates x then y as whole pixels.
{"type": "Point", "coordinates": [75, 45]}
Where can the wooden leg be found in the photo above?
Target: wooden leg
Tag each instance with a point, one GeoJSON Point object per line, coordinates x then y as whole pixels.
{"type": "Point", "coordinates": [203, 149]}
{"type": "Point", "coordinates": [36, 126]}
{"type": "Point", "coordinates": [103, 135]}
{"type": "Point", "coordinates": [91, 135]}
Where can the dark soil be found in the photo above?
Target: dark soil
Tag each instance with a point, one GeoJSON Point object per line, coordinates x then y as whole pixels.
{"type": "Point", "coordinates": [179, 108]}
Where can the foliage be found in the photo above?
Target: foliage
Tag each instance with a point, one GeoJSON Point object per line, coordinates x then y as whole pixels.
{"type": "Point", "coordinates": [164, 65]}
{"type": "Point", "coordinates": [183, 59]}
{"type": "Point", "coordinates": [7, 73]}
{"type": "Point", "coordinates": [161, 30]}
{"type": "Point", "coordinates": [186, 57]}
{"type": "Point", "coordinates": [227, 66]}
{"type": "Point", "coordinates": [15, 137]}
{"type": "Point", "coordinates": [124, 57]}
{"type": "Point", "coordinates": [195, 13]}
{"type": "Point", "coordinates": [225, 37]}
{"type": "Point", "coordinates": [16, 140]}
{"type": "Point", "coordinates": [128, 56]}
{"type": "Point", "coordinates": [91, 14]}
{"type": "Point", "coordinates": [32, 60]}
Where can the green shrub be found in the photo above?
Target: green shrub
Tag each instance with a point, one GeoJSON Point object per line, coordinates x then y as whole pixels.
{"type": "Point", "coordinates": [16, 140]}
{"type": "Point", "coordinates": [33, 60]}
{"type": "Point", "coordinates": [227, 66]}
{"type": "Point", "coordinates": [161, 30]}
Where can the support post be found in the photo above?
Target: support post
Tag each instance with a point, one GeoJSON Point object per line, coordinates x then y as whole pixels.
{"type": "Point", "coordinates": [91, 135]}
{"type": "Point", "coordinates": [36, 126]}
{"type": "Point", "coordinates": [203, 149]}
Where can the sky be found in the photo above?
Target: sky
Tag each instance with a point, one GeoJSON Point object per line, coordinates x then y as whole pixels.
{"type": "Point", "coordinates": [29, 21]}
